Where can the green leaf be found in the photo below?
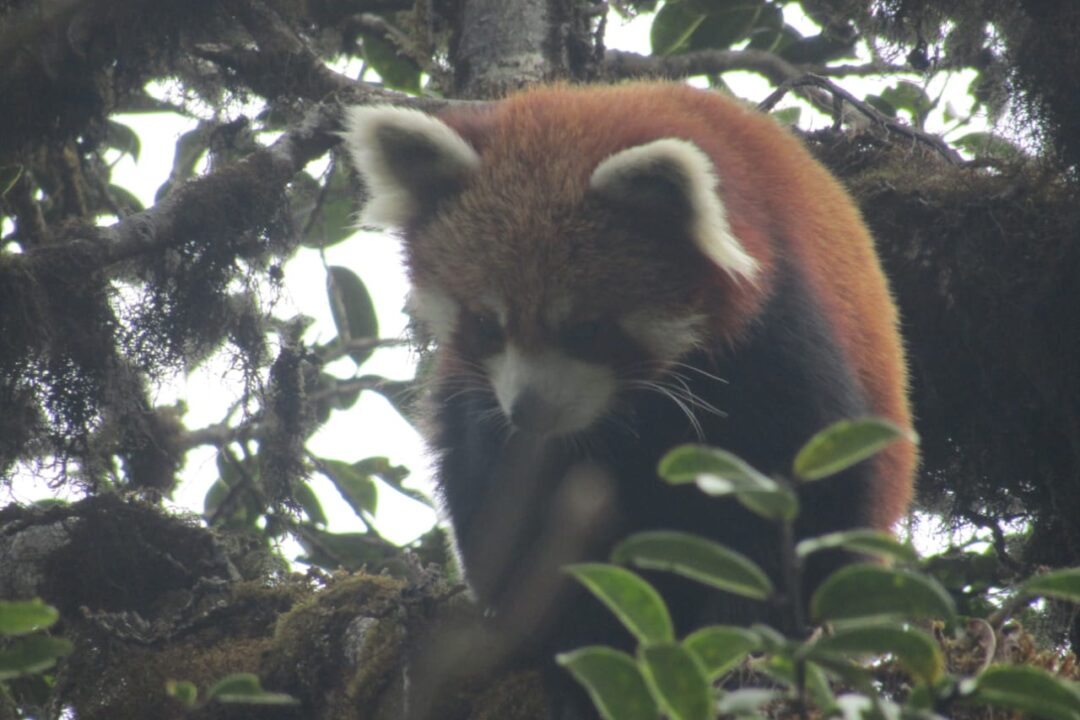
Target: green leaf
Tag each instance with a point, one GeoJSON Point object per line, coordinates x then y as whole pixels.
{"type": "Point", "coordinates": [392, 475]}
{"type": "Point", "coordinates": [727, 22]}
{"type": "Point", "coordinates": [1058, 584]}
{"type": "Point", "coordinates": [720, 648]}
{"type": "Point", "coordinates": [351, 551]}
{"type": "Point", "coordinates": [882, 105]}
{"type": "Point", "coordinates": [309, 501]}
{"type": "Point", "coordinates": [397, 71]}
{"type": "Point", "coordinates": [914, 649]}
{"type": "Point", "coordinates": [676, 681]}
{"type": "Point", "coordinates": [354, 484]}
{"type": "Point", "coordinates": [673, 26]}
{"type": "Point", "coordinates": [121, 137]}
{"type": "Point", "coordinates": [906, 95]}
{"type": "Point", "coordinates": [843, 444]}
{"type": "Point", "coordinates": [988, 145]}
{"type": "Point", "coordinates": [787, 116]}
{"type": "Point", "coordinates": [31, 654]}
{"type": "Point", "coordinates": [613, 681]}
{"type": "Point", "coordinates": [9, 175]}
{"type": "Point", "coordinates": [868, 542]}
{"type": "Point", "coordinates": [635, 602]}
{"type": "Point", "coordinates": [22, 617]}
{"type": "Point", "coordinates": [815, 49]}
{"type": "Point", "coordinates": [125, 200]}
{"type": "Point", "coordinates": [184, 691]}
{"type": "Point", "coordinates": [245, 688]}
{"type": "Point", "coordinates": [864, 591]}
{"type": "Point", "coordinates": [718, 473]}
{"type": "Point", "coordinates": [190, 148]}
{"type": "Point", "coordinates": [768, 33]}
{"type": "Point", "coordinates": [353, 311]}
{"type": "Point", "coordinates": [1029, 690]}
{"type": "Point", "coordinates": [696, 558]}
{"type": "Point", "coordinates": [328, 211]}
{"type": "Point", "coordinates": [214, 497]}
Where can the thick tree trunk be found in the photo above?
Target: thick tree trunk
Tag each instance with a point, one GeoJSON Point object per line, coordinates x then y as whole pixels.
{"type": "Point", "coordinates": [500, 46]}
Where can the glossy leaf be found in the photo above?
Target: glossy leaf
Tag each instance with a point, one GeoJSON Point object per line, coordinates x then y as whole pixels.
{"type": "Point", "coordinates": [727, 22]}
{"type": "Point", "coordinates": [677, 681]}
{"type": "Point", "coordinates": [396, 70]}
{"type": "Point", "coordinates": [614, 683]}
{"type": "Point", "coordinates": [184, 691]}
{"type": "Point", "coordinates": [843, 444]}
{"type": "Point", "coordinates": [906, 95]}
{"type": "Point", "coordinates": [31, 654]}
{"type": "Point", "coordinates": [190, 149]}
{"type": "Point", "coordinates": [988, 145]}
{"type": "Point", "coordinates": [245, 688]}
{"type": "Point", "coordinates": [126, 201]}
{"type": "Point", "coordinates": [328, 211]}
{"type": "Point", "coordinates": [352, 309]}
{"type": "Point", "coordinates": [768, 33]}
{"type": "Point", "coordinates": [867, 542]}
{"type": "Point", "coordinates": [351, 551]}
{"type": "Point", "coordinates": [1058, 584]}
{"type": "Point", "coordinates": [915, 650]}
{"type": "Point", "coordinates": [22, 617]}
{"type": "Point", "coordinates": [696, 558]}
{"type": "Point", "coordinates": [788, 116]}
{"type": "Point", "coordinates": [214, 497]}
{"type": "Point", "coordinates": [307, 499]}
{"type": "Point", "coordinates": [392, 475]}
{"type": "Point", "coordinates": [121, 137]}
{"type": "Point", "coordinates": [718, 473]}
{"type": "Point", "coordinates": [1029, 690]}
{"type": "Point", "coordinates": [882, 105]}
{"type": "Point", "coordinates": [866, 591]}
{"type": "Point", "coordinates": [635, 602]}
{"type": "Point", "coordinates": [673, 26]}
{"type": "Point", "coordinates": [720, 648]}
{"type": "Point", "coordinates": [354, 484]}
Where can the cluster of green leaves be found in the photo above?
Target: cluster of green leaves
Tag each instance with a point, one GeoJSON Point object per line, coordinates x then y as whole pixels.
{"type": "Point", "coordinates": [687, 25]}
{"type": "Point", "coordinates": [25, 646]}
{"type": "Point", "coordinates": [235, 499]}
{"type": "Point", "coordinates": [865, 610]}
{"type": "Point", "coordinates": [28, 652]}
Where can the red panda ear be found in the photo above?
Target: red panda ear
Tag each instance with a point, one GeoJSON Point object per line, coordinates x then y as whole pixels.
{"type": "Point", "coordinates": [408, 159]}
{"type": "Point", "coordinates": [675, 177]}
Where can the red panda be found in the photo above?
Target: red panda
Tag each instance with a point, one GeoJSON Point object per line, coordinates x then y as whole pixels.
{"type": "Point", "coordinates": [607, 273]}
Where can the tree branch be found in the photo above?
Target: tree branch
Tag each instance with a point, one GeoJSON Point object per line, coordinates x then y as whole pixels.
{"type": "Point", "coordinates": [890, 124]}
{"type": "Point", "coordinates": [621, 64]}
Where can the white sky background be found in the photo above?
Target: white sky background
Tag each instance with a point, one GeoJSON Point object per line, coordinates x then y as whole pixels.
{"type": "Point", "coordinates": [371, 427]}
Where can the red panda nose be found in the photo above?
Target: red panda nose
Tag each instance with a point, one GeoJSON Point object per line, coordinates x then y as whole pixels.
{"type": "Point", "coordinates": [532, 413]}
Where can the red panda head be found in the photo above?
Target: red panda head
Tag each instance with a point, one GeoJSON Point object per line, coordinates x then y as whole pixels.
{"type": "Point", "coordinates": [554, 261]}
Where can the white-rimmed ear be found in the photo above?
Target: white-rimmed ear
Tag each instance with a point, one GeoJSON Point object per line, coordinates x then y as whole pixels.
{"type": "Point", "coordinates": [675, 176]}
{"type": "Point", "coordinates": [408, 159]}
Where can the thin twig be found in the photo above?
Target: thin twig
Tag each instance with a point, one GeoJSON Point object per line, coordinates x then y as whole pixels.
{"type": "Point", "coordinates": [890, 124]}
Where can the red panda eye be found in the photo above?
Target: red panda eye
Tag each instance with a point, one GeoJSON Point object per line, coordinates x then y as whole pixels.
{"type": "Point", "coordinates": [487, 328]}
{"type": "Point", "coordinates": [582, 334]}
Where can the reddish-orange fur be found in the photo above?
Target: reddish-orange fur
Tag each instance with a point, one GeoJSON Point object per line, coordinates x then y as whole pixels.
{"type": "Point", "coordinates": [774, 193]}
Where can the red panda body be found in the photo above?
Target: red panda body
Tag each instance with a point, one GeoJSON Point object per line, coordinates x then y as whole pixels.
{"type": "Point", "coordinates": [609, 272]}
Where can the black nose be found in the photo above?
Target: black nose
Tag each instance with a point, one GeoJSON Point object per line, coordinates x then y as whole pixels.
{"type": "Point", "coordinates": [532, 413]}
